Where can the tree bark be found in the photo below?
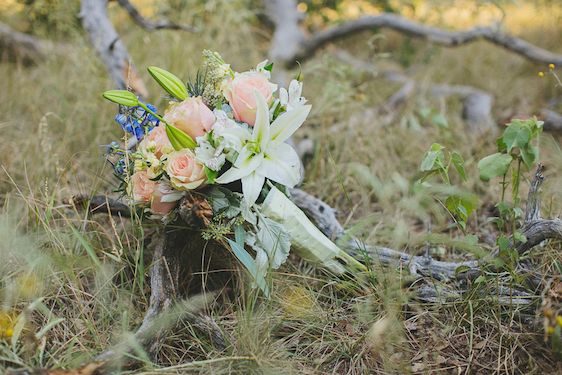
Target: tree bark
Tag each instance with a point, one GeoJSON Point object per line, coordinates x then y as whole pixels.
{"type": "Point", "coordinates": [110, 48]}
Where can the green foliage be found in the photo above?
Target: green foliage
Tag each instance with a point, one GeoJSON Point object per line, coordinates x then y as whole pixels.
{"type": "Point", "coordinates": [494, 165]}
{"type": "Point", "coordinates": [50, 18]}
{"type": "Point", "coordinates": [515, 148]}
{"type": "Point", "coordinates": [516, 144]}
{"type": "Point", "coordinates": [197, 86]}
{"type": "Point", "coordinates": [438, 161]}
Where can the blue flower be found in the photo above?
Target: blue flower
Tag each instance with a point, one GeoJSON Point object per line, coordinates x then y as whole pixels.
{"type": "Point", "coordinates": [150, 116]}
{"type": "Point", "coordinates": [137, 121]}
{"type": "Point", "coordinates": [119, 167]}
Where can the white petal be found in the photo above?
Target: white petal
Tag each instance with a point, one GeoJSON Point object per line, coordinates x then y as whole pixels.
{"type": "Point", "coordinates": [283, 96]}
{"type": "Point", "coordinates": [251, 187]}
{"type": "Point", "coordinates": [295, 89]}
{"type": "Point", "coordinates": [243, 157]}
{"type": "Point", "coordinates": [248, 166]}
{"type": "Point", "coordinates": [281, 165]}
{"type": "Point", "coordinates": [261, 126]}
{"type": "Point", "coordinates": [287, 123]}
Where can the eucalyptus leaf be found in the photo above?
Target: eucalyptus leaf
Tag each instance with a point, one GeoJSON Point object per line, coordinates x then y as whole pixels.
{"type": "Point", "coordinates": [225, 201]}
{"type": "Point", "coordinates": [275, 240]}
{"type": "Point", "coordinates": [247, 261]}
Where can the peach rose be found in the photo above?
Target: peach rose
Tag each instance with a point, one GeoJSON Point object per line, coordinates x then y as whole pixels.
{"type": "Point", "coordinates": [192, 116]}
{"type": "Point", "coordinates": [156, 142]}
{"type": "Point", "coordinates": [185, 173]}
{"type": "Point", "coordinates": [142, 187]}
{"type": "Point", "coordinates": [160, 204]}
{"type": "Point", "coordinates": [240, 94]}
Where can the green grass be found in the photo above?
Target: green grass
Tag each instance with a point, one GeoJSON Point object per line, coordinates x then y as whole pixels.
{"type": "Point", "coordinates": [80, 284]}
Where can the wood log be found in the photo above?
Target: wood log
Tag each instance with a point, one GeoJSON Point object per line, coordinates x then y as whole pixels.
{"type": "Point", "coordinates": [21, 47]}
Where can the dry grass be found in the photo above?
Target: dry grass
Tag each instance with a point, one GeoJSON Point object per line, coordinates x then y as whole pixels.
{"type": "Point", "coordinates": [79, 284]}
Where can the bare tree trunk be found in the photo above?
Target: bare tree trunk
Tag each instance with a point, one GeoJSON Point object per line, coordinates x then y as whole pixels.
{"type": "Point", "coordinates": [110, 48]}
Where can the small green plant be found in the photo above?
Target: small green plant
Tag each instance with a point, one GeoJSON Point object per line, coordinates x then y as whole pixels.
{"type": "Point", "coordinates": [517, 148]}
{"type": "Point", "coordinates": [438, 161]}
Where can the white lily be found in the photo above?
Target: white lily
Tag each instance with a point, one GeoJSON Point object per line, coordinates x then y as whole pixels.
{"type": "Point", "coordinates": [265, 154]}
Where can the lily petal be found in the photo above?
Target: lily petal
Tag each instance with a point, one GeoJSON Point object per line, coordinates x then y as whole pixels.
{"type": "Point", "coordinates": [251, 187]}
{"type": "Point", "coordinates": [281, 164]}
{"type": "Point", "coordinates": [247, 167]}
{"type": "Point", "coordinates": [261, 126]}
{"type": "Point", "coordinates": [287, 123]}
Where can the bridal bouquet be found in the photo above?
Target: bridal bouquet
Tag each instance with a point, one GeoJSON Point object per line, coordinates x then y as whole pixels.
{"type": "Point", "coordinates": [223, 137]}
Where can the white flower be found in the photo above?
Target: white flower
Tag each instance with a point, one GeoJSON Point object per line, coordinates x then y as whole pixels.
{"type": "Point", "coordinates": [265, 154]}
{"type": "Point", "coordinates": [229, 134]}
{"type": "Point", "coordinates": [292, 99]}
{"type": "Point", "coordinates": [205, 153]}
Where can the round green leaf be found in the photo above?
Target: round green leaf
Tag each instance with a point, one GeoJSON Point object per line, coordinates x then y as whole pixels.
{"type": "Point", "coordinates": [494, 165]}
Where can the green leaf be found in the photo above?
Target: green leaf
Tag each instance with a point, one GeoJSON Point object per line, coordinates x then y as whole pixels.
{"type": "Point", "coordinates": [461, 206]}
{"type": "Point", "coordinates": [480, 279]}
{"type": "Point", "coordinates": [211, 175]}
{"type": "Point", "coordinates": [503, 243]}
{"type": "Point", "coordinates": [247, 261]}
{"type": "Point", "coordinates": [268, 67]}
{"type": "Point", "coordinates": [516, 135]}
{"type": "Point", "coordinates": [275, 240]}
{"type": "Point", "coordinates": [122, 97]}
{"type": "Point", "coordinates": [519, 237]}
{"type": "Point", "coordinates": [433, 158]}
{"type": "Point", "coordinates": [169, 82]}
{"type": "Point", "coordinates": [179, 139]}
{"type": "Point", "coordinates": [458, 163]}
{"type": "Point", "coordinates": [224, 201]}
{"type": "Point", "coordinates": [239, 235]}
{"type": "Point", "coordinates": [529, 155]}
{"type": "Point", "coordinates": [87, 246]}
{"type": "Point", "coordinates": [494, 165]}
{"type": "Point", "coordinates": [440, 120]}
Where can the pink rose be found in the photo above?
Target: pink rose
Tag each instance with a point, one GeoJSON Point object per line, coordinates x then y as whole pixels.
{"type": "Point", "coordinates": [142, 187]}
{"type": "Point", "coordinates": [156, 142]}
{"type": "Point", "coordinates": [240, 94]}
{"type": "Point", "coordinates": [185, 173]}
{"type": "Point", "coordinates": [192, 116]}
{"type": "Point", "coordinates": [160, 204]}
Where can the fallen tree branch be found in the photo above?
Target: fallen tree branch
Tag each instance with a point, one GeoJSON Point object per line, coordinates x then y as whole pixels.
{"type": "Point", "coordinates": [21, 47]}
{"type": "Point", "coordinates": [535, 228]}
{"type": "Point", "coordinates": [476, 104]}
{"type": "Point", "coordinates": [433, 34]}
{"type": "Point", "coordinates": [100, 204]}
{"type": "Point", "coordinates": [552, 120]}
{"type": "Point", "coordinates": [151, 25]}
{"type": "Point", "coordinates": [110, 48]}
